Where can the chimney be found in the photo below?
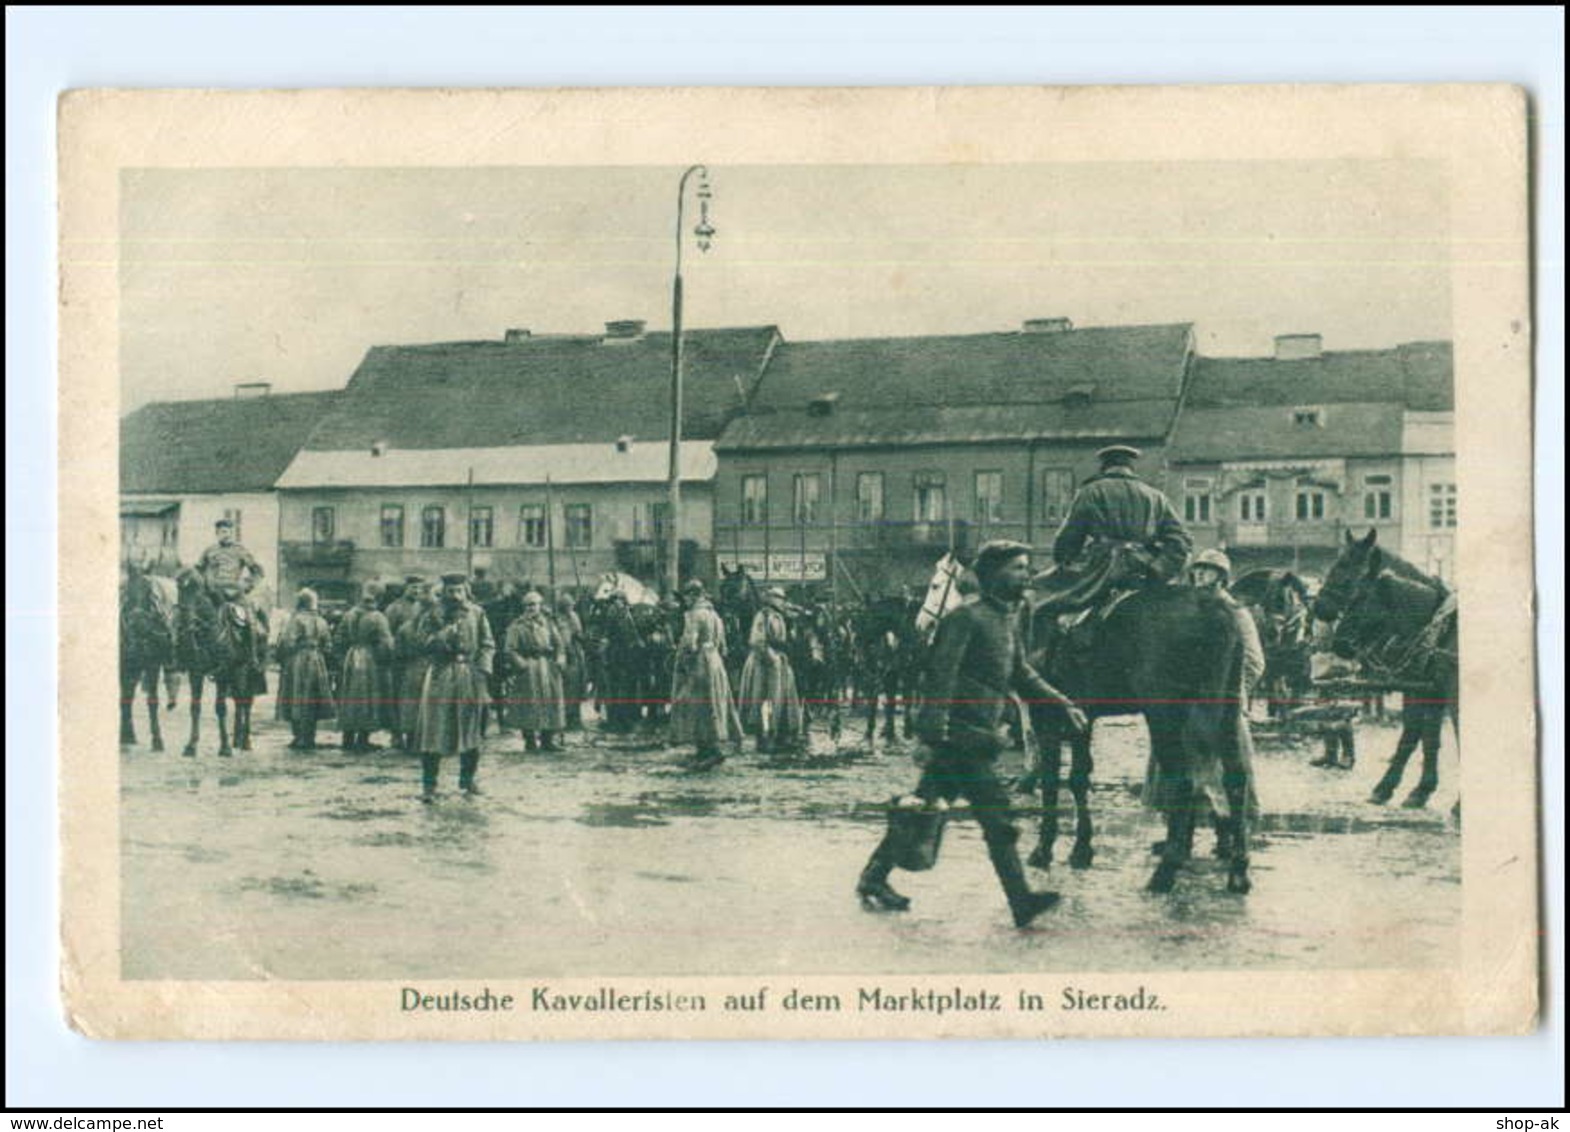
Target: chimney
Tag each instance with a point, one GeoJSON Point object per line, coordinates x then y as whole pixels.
{"type": "Point", "coordinates": [515, 335]}
{"type": "Point", "coordinates": [1048, 325]}
{"type": "Point", "coordinates": [252, 389]}
{"type": "Point", "coordinates": [822, 405]}
{"type": "Point", "coordinates": [624, 329]}
{"type": "Point", "coordinates": [1297, 347]}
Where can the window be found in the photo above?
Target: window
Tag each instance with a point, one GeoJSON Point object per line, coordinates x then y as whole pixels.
{"type": "Point", "coordinates": [1196, 500]}
{"type": "Point", "coordinates": [931, 497]}
{"type": "Point", "coordinates": [171, 532]}
{"type": "Point", "coordinates": [989, 497]}
{"type": "Point", "coordinates": [1057, 492]}
{"type": "Point", "coordinates": [433, 526]}
{"type": "Point", "coordinates": [482, 527]}
{"type": "Point", "coordinates": [754, 500]}
{"type": "Point", "coordinates": [324, 524]}
{"type": "Point", "coordinates": [1251, 507]}
{"type": "Point", "coordinates": [233, 515]}
{"type": "Point", "coordinates": [531, 525]}
{"type": "Point", "coordinates": [392, 524]}
{"type": "Point", "coordinates": [869, 497]}
{"type": "Point", "coordinates": [1308, 418]}
{"type": "Point", "coordinates": [1310, 505]}
{"type": "Point", "coordinates": [1441, 506]}
{"type": "Point", "coordinates": [1378, 497]}
{"type": "Point", "coordinates": [579, 524]}
{"type": "Point", "coordinates": [804, 498]}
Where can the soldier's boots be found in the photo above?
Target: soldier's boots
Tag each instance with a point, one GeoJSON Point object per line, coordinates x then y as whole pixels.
{"type": "Point", "coordinates": [430, 766]}
{"type": "Point", "coordinates": [873, 887]}
{"type": "Point", "coordinates": [1024, 902]}
{"type": "Point", "coordinates": [468, 766]}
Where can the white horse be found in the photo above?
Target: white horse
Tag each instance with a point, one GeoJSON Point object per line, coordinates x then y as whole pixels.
{"type": "Point", "coordinates": [629, 587]}
{"type": "Point", "coordinates": [944, 594]}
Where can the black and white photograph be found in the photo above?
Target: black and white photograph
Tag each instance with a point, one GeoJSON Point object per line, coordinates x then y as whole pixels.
{"type": "Point", "coordinates": [770, 598]}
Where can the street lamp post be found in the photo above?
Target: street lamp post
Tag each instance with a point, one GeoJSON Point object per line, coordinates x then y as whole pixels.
{"type": "Point", "coordinates": [704, 232]}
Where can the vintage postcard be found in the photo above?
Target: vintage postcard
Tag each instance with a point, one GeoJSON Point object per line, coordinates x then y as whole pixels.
{"type": "Point", "coordinates": [975, 562]}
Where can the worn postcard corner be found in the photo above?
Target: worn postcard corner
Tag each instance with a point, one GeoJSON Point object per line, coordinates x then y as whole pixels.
{"type": "Point", "coordinates": [980, 562]}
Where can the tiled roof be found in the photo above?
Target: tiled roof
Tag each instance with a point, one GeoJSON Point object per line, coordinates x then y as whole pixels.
{"type": "Point", "coordinates": [1419, 375]}
{"type": "Point", "coordinates": [1094, 382]}
{"type": "Point", "coordinates": [1270, 432]}
{"type": "Point", "coordinates": [543, 390]}
{"type": "Point", "coordinates": [451, 467]}
{"type": "Point", "coordinates": [224, 445]}
{"type": "Point", "coordinates": [933, 424]}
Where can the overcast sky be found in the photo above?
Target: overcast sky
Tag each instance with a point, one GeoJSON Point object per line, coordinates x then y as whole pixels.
{"type": "Point", "coordinates": [290, 275]}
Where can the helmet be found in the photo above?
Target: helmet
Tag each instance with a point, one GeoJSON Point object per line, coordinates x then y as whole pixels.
{"type": "Point", "coordinates": [1214, 559]}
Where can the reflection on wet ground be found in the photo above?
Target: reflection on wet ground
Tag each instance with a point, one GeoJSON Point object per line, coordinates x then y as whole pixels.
{"type": "Point", "coordinates": [614, 857]}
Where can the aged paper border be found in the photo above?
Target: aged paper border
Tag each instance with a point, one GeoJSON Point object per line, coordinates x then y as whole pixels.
{"type": "Point", "coordinates": [1479, 132]}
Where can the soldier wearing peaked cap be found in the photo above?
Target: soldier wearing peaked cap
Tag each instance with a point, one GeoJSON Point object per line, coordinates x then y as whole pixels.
{"type": "Point", "coordinates": [458, 643]}
{"type": "Point", "coordinates": [1121, 533]}
{"type": "Point", "coordinates": [977, 660]}
{"type": "Point", "coordinates": [226, 564]}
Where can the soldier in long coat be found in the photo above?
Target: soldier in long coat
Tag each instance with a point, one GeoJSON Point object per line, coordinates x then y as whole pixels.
{"type": "Point", "coordinates": [461, 650]}
{"type": "Point", "coordinates": [365, 680]}
{"type": "Point", "coordinates": [574, 673]}
{"type": "Point", "coordinates": [771, 706]}
{"type": "Point", "coordinates": [624, 647]}
{"type": "Point", "coordinates": [412, 660]}
{"type": "Point", "coordinates": [1120, 533]}
{"type": "Point", "coordinates": [304, 689]}
{"type": "Point", "coordinates": [702, 711]}
{"type": "Point", "coordinates": [535, 653]}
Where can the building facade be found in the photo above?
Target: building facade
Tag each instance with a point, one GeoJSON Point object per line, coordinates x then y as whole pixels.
{"type": "Point", "coordinates": [863, 462]}
{"type": "Point", "coordinates": [1276, 459]}
{"type": "Point", "coordinates": [185, 465]}
{"type": "Point", "coordinates": [540, 458]}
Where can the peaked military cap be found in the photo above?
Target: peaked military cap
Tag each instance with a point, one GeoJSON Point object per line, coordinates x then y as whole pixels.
{"type": "Point", "coordinates": [994, 554]}
{"type": "Point", "coordinates": [1119, 454]}
{"type": "Point", "coordinates": [457, 578]}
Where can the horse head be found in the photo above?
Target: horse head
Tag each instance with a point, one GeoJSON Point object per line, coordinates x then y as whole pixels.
{"type": "Point", "coordinates": [943, 595]}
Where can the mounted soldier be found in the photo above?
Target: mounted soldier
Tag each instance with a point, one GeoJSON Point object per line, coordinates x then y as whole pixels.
{"type": "Point", "coordinates": [1121, 534]}
{"type": "Point", "coordinates": [226, 564]}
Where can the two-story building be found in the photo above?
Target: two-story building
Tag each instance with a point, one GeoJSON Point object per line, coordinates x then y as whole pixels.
{"type": "Point", "coordinates": [541, 458]}
{"type": "Point", "coordinates": [1276, 458]}
{"type": "Point", "coordinates": [184, 465]}
{"type": "Point", "coordinates": [863, 461]}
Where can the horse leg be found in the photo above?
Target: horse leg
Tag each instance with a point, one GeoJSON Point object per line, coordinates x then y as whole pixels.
{"type": "Point", "coordinates": [242, 723]}
{"type": "Point", "coordinates": [1392, 776]}
{"type": "Point", "coordinates": [1432, 728]}
{"type": "Point", "coordinates": [150, 680]}
{"type": "Point", "coordinates": [221, 710]}
{"type": "Point", "coordinates": [1183, 798]}
{"type": "Point", "coordinates": [1080, 771]}
{"type": "Point", "coordinates": [197, 682]}
{"type": "Point", "coordinates": [127, 698]}
{"type": "Point", "coordinates": [1050, 774]}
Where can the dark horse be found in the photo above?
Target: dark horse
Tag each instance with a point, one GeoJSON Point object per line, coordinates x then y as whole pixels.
{"type": "Point", "coordinates": [147, 606]}
{"type": "Point", "coordinates": [737, 602]}
{"type": "Point", "coordinates": [819, 654]}
{"type": "Point", "coordinates": [227, 641]}
{"type": "Point", "coordinates": [1399, 624]}
{"type": "Point", "coordinates": [1173, 655]}
{"type": "Point", "coordinates": [888, 651]}
{"type": "Point", "coordinates": [1279, 602]}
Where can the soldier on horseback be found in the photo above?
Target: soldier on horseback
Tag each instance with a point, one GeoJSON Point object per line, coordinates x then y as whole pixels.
{"type": "Point", "coordinates": [226, 564]}
{"type": "Point", "coordinates": [1121, 534]}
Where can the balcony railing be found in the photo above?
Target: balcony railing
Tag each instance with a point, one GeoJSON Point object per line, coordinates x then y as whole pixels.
{"type": "Point", "coordinates": [338, 552]}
